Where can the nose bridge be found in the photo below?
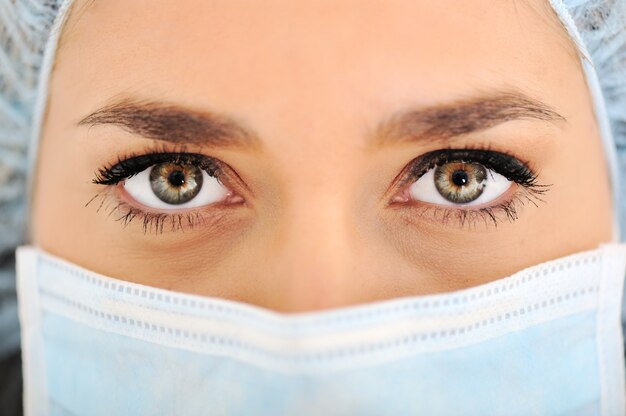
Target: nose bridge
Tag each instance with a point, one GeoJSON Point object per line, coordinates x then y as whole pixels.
{"type": "Point", "coordinates": [317, 224]}
{"type": "Point", "coordinates": [314, 235]}
{"type": "Point", "coordinates": [315, 253]}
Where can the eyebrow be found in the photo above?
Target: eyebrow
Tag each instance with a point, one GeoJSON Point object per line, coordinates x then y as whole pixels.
{"type": "Point", "coordinates": [443, 122]}
{"type": "Point", "coordinates": [171, 123]}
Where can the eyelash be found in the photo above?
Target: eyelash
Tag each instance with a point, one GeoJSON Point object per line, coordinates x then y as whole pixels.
{"type": "Point", "coordinates": [129, 165]}
{"type": "Point", "coordinates": [503, 163]}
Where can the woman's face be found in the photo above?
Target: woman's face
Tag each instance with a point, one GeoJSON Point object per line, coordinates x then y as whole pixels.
{"type": "Point", "coordinates": [308, 155]}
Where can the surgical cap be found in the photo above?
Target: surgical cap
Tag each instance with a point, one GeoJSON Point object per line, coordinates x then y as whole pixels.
{"type": "Point", "coordinates": [29, 32]}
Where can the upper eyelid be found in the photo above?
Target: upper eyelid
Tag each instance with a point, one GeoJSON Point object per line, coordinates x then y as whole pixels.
{"type": "Point", "coordinates": [424, 162]}
{"type": "Point", "coordinates": [108, 176]}
{"type": "Point", "coordinates": [228, 176]}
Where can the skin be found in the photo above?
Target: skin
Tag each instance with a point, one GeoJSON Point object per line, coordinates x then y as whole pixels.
{"type": "Point", "coordinates": [312, 82]}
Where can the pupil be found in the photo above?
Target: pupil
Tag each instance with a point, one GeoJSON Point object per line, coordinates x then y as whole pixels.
{"type": "Point", "coordinates": [460, 178]}
{"type": "Point", "coordinates": [176, 178]}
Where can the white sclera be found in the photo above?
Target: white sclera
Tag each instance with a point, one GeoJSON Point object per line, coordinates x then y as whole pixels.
{"type": "Point", "coordinates": [424, 189]}
{"type": "Point", "coordinates": [140, 189]}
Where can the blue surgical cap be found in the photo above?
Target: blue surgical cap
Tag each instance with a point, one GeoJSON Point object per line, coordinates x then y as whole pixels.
{"type": "Point", "coordinates": [29, 31]}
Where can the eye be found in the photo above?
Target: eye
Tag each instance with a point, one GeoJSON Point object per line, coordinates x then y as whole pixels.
{"type": "Point", "coordinates": [182, 190]}
{"type": "Point", "coordinates": [469, 181]}
{"type": "Point", "coordinates": [172, 185]}
{"type": "Point", "coordinates": [171, 181]}
{"type": "Point", "coordinates": [459, 183]}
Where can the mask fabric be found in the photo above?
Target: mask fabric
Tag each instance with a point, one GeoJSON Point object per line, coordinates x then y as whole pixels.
{"type": "Point", "coordinates": [544, 341]}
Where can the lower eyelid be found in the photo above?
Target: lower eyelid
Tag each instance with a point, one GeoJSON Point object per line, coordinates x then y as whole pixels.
{"type": "Point", "coordinates": [514, 188]}
{"type": "Point", "coordinates": [496, 161]}
{"type": "Point", "coordinates": [124, 197]}
{"type": "Point", "coordinates": [507, 207]}
{"type": "Point", "coordinates": [140, 188]}
{"type": "Point", "coordinates": [117, 204]}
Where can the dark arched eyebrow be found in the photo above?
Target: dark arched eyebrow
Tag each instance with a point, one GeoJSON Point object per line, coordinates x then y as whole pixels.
{"type": "Point", "coordinates": [180, 125]}
{"type": "Point", "coordinates": [448, 120]}
{"type": "Point", "coordinates": [172, 123]}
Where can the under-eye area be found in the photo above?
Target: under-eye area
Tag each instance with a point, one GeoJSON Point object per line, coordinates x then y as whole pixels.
{"type": "Point", "coordinates": [465, 186]}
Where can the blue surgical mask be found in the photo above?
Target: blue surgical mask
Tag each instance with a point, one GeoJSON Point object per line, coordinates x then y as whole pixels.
{"type": "Point", "coordinates": [544, 341]}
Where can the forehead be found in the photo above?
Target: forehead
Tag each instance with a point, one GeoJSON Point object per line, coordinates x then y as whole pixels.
{"type": "Point", "coordinates": [336, 57]}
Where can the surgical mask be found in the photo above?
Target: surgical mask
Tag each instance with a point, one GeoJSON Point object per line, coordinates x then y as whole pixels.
{"type": "Point", "coordinates": [544, 341]}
